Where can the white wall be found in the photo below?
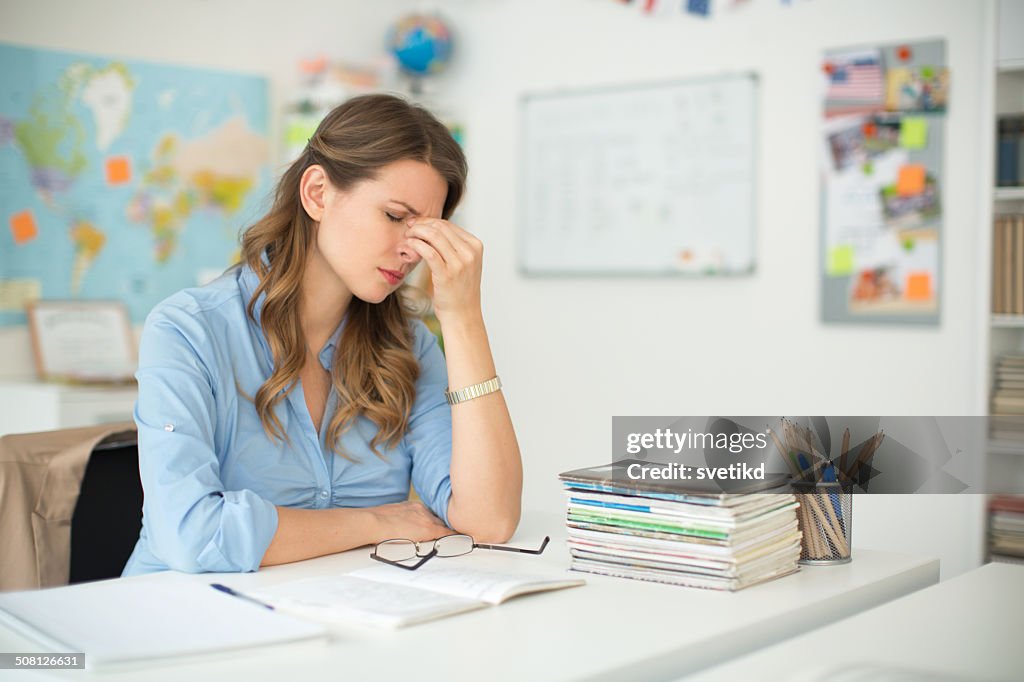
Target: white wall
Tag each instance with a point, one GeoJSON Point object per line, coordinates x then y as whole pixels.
{"type": "Point", "coordinates": [574, 352]}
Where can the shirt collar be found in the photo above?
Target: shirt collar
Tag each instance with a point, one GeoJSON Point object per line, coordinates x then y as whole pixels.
{"type": "Point", "coordinates": [326, 355]}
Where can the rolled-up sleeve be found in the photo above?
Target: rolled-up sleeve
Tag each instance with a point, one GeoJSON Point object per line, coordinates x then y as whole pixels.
{"type": "Point", "coordinates": [193, 523]}
{"type": "Point", "coordinates": [429, 437]}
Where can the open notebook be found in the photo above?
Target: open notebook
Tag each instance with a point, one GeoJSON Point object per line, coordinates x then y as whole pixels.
{"type": "Point", "coordinates": [387, 596]}
{"type": "Point", "coordinates": [129, 621]}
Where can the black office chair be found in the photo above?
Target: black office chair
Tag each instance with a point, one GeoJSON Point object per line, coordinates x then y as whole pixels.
{"type": "Point", "coordinates": [108, 514]}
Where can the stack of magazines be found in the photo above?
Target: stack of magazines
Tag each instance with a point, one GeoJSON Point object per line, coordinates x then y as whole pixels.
{"type": "Point", "coordinates": [690, 533]}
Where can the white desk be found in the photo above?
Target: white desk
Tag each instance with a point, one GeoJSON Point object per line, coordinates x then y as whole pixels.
{"type": "Point", "coordinates": [968, 627]}
{"type": "Point", "coordinates": [611, 628]}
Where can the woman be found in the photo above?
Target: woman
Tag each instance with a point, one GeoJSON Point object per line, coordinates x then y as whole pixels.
{"type": "Point", "coordinates": [284, 409]}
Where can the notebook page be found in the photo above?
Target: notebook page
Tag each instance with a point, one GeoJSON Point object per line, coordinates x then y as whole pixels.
{"type": "Point", "coordinates": [123, 621]}
{"type": "Point", "coordinates": [492, 587]}
{"type": "Point", "coordinates": [359, 601]}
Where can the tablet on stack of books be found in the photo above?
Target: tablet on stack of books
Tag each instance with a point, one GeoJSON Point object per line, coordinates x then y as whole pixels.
{"type": "Point", "coordinates": [689, 533]}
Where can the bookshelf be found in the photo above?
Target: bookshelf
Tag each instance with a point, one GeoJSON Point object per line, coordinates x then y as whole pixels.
{"type": "Point", "coordinates": [1003, 334]}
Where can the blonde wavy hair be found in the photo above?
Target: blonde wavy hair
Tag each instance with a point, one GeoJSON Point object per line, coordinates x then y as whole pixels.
{"type": "Point", "coordinates": [374, 370]}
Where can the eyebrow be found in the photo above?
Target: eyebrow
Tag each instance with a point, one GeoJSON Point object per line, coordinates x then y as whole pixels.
{"type": "Point", "coordinates": [411, 209]}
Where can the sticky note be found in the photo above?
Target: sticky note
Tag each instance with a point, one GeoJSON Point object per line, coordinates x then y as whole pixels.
{"type": "Point", "coordinates": [919, 286]}
{"type": "Point", "coordinates": [840, 261]}
{"type": "Point", "coordinates": [914, 132]}
{"type": "Point", "coordinates": [119, 170]}
{"type": "Point", "coordinates": [910, 180]}
{"type": "Point", "coordinates": [23, 227]}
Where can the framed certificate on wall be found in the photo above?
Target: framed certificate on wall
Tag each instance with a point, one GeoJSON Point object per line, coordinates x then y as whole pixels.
{"type": "Point", "coordinates": [85, 341]}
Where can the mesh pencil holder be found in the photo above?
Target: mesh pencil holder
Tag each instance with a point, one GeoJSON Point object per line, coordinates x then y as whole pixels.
{"type": "Point", "coordinates": [826, 521]}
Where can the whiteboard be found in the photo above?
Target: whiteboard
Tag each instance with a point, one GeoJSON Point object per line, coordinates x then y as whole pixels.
{"type": "Point", "coordinates": [651, 179]}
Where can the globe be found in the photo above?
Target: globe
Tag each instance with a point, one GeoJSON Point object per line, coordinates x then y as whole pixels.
{"type": "Point", "coordinates": [421, 43]}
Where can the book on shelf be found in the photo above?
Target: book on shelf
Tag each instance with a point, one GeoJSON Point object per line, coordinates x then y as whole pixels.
{"type": "Point", "coordinates": [1008, 390]}
{"type": "Point", "coordinates": [688, 533]}
{"type": "Point", "coordinates": [391, 597]}
{"type": "Point", "coordinates": [1010, 150]}
{"type": "Point", "coordinates": [1006, 525]}
{"type": "Point", "coordinates": [1008, 265]}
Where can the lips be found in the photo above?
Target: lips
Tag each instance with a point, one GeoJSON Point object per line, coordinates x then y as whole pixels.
{"type": "Point", "coordinates": [392, 276]}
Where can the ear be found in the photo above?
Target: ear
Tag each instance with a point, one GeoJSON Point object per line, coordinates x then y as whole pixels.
{"type": "Point", "coordinates": [313, 187]}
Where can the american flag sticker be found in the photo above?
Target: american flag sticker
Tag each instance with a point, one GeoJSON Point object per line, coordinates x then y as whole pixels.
{"type": "Point", "coordinates": [857, 77]}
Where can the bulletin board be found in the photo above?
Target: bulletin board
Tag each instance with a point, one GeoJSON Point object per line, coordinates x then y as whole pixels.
{"type": "Point", "coordinates": [648, 179]}
{"type": "Point", "coordinates": [881, 201]}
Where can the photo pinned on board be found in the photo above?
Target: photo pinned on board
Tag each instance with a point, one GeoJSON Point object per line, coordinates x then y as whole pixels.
{"type": "Point", "coordinates": [864, 139]}
{"type": "Point", "coordinates": [875, 285]}
{"type": "Point", "coordinates": [919, 88]}
{"type": "Point", "coordinates": [912, 200]}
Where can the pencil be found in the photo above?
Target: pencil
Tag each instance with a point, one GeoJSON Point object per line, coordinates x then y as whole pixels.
{"type": "Point", "coordinates": [812, 528]}
{"type": "Point", "coordinates": [844, 451]}
{"type": "Point", "coordinates": [822, 514]}
{"type": "Point", "coordinates": [785, 454]}
{"type": "Point", "coordinates": [787, 433]}
{"type": "Point", "coordinates": [864, 474]}
{"type": "Point", "coordinates": [809, 531]}
{"type": "Point", "coordinates": [866, 451]}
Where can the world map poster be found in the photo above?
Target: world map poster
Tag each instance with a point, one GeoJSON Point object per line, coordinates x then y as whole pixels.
{"type": "Point", "coordinates": [122, 179]}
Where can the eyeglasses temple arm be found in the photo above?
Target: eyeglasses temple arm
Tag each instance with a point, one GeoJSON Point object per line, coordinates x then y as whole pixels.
{"type": "Point", "coordinates": [503, 548]}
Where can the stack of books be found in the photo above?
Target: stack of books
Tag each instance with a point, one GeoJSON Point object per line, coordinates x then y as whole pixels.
{"type": "Point", "coordinates": [1008, 395]}
{"type": "Point", "coordinates": [1006, 527]}
{"type": "Point", "coordinates": [688, 533]}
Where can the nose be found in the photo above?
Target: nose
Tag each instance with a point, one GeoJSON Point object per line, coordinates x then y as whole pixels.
{"type": "Point", "coordinates": [407, 254]}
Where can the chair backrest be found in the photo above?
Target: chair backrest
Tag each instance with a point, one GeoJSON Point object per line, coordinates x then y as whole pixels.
{"type": "Point", "coordinates": [108, 514]}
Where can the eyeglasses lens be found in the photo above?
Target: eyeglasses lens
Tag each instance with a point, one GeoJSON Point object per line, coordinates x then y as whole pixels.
{"type": "Point", "coordinates": [396, 550]}
{"type": "Point", "coordinates": [453, 545]}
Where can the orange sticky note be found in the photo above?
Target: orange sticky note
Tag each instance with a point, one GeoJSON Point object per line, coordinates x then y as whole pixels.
{"type": "Point", "coordinates": [910, 180]}
{"type": "Point", "coordinates": [23, 227]}
{"type": "Point", "coordinates": [919, 286]}
{"type": "Point", "coordinates": [119, 170]}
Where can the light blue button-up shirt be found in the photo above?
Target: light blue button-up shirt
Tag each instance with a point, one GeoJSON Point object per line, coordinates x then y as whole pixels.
{"type": "Point", "coordinates": [212, 476]}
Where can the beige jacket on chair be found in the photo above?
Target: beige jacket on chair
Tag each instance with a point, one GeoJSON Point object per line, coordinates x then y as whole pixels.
{"type": "Point", "coordinates": [40, 478]}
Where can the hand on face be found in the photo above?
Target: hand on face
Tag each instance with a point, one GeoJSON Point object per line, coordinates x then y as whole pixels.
{"type": "Point", "coordinates": [455, 259]}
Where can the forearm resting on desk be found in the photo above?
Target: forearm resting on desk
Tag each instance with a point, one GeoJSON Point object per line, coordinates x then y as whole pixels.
{"type": "Point", "coordinates": [308, 533]}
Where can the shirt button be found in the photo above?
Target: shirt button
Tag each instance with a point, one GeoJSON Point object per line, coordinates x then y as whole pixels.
{"type": "Point", "coordinates": [324, 494]}
{"type": "Point", "coordinates": [168, 427]}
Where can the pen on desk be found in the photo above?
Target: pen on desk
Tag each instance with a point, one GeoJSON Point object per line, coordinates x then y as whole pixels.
{"type": "Point", "coordinates": [227, 590]}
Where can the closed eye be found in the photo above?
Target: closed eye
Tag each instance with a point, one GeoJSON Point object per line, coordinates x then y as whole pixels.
{"type": "Point", "coordinates": [393, 218]}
